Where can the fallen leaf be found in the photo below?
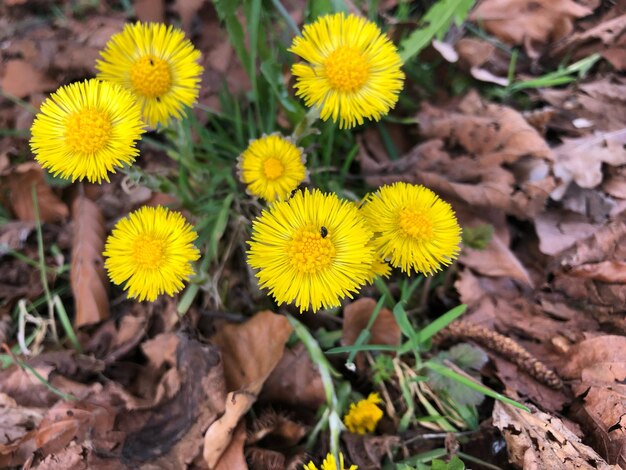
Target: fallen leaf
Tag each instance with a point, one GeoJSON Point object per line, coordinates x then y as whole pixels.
{"type": "Point", "coordinates": [384, 330]}
{"type": "Point", "coordinates": [367, 451]}
{"type": "Point", "coordinates": [295, 381]}
{"type": "Point", "coordinates": [482, 154]}
{"type": "Point", "coordinates": [598, 367]}
{"type": "Point", "coordinates": [20, 181]}
{"type": "Point", "coordinates": [87, 275]}
{"type": "Point", "coordinates": [560, 229]}
{"type": "Point", "coordinates": [539, 440]}
{"type": "Point", "coordinates": [149, 10]}
{"type": "Point", "coordinates": [220, 434]}
{"type": "Point", "coordinates": [21, 79]}
{"type": "Point", "coordinates": [172, 434]}
{"type": "Point", "coordinates": [250, 352]}
{"type": "Point", "coordinates": [519, 21]}
{"type": "Point", "coordinates": [589, 274]}
{"type": "Point", "coordinates": [187, 9]}
{"type": "Point", "coordinates": [496, 260]}
{"type": "Point", "coordinates": [17, 420]}
{"type": "Point", "coordinates": [606, 37]}
{"type": "Point", "coordinates": [581, 160]}
{"type": "Point", "coordinates": [233, 458]}
{"type": "Point", "coordinates": [601, 102]}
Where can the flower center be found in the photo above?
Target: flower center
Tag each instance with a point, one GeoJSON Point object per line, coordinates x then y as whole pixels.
{"type": "Point", "coordinates": [415, 224]}
{"type": "Point", "coordinates": [150, 77]}
{"type": "Point", "coordinates": [309, 252]}
{"type": "Point", "coordinates": [148, 252]}
{"type": "Point", "coordinates": [346, 69]}
{"type": "Point", "coordinates": [88, 131]}
{"type": "Point", "coordinates": [273, 168]}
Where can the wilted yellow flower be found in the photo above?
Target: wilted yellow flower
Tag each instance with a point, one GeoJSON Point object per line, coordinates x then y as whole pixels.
{"type": "Point", "coordinates": [86, 130]}
{"type": "Point", "coordinates": [363, 416]}
{"type": "Point", "coordinates": [313, 249]}
{"type": "Point", "coordinates": [412, 227]}
{"type": "Point", "coordinates": [353, 69]}
{"type": "Point", "coordinates": [330, 463]}
{"type": "Point", "coordinates": [158, 65]}
{"type": "Point", "coordinates": [151, 251]}
{"type": "Point", "coordinates": [272, 167]}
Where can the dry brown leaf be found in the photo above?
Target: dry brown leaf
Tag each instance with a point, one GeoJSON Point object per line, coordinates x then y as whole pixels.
{"type": "Point", "coordinates": [187, 9]}
{"type": "Point", "coordinates": [87, 275]}
{"type": "Point", "coordinates": [503, 162]}
{"type": "Point", "coordinates": [62, 424]}
{"type": "Point", "coordinates": [172, 434]}
{"type": "Point", "coordinates": [356, 315]}
{"type": "Point", "coordinates": [560, 229]}
{"type": "Point", "coordinates": [218, 437]}
{"type": "Point", "coordinates": [21, 79]}
{"type": "Point", "coordinates": [598, 368]}
{"type": "Point", "coordinates": [16, 420]}
{"type": "Point", "coordinates": [496, 260]}
{"type": "Point", "coordinates": [522, 22]}
{"type": "Point", "coordinates": [606, 37]}
{"type": "Point", "coordinates": [149, 10]}
{"type": "Point", "coordinates": [233, 457]}
{"type": "Point", "coordinates": [601, 102]}
{"type": "Point", "coordinates": [295, 381]}
{"type": "Point", "coordinates": [367, 451]}
{"type": "Point", "coordinates": [581, 160]}
{"type": "Point", "coordinates": [250, 352]}
{"type": "Point", "coordinates": [588, 274]}
{"type": "Point", "coordinates": [20, 181]}
{"type": "Point", "coordinates": [538, 441]}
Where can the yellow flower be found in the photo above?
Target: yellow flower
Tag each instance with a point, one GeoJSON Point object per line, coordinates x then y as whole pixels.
{"type": "Point", "coordinates": [86, 130]}
{"type": "Point", "coordinates": [378, 268]}
{"type": "Point", "coordinates": [330, 463]}
{"type": "Point", "coordinates": [364, 415]}
{"type": "Point", "coordinates": [158, 65]}
{"type": "Point", "coordinates": [353, 69]}
{"type": "Point", "coordinates": [313, 249]}
{"type": "Point", "coordinates": [272, 167]}
{"type": "Point", "coordinates": [413, 227]}
{"type": "Point", "coordinates": [151, 251]}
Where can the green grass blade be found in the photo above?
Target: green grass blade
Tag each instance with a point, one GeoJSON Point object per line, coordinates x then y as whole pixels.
{"type": "Point", "coordinates": [440, 323]}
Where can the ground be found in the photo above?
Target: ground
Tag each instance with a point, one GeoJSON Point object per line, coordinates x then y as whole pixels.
{"type": "Point", "coordinates": [513, 111]}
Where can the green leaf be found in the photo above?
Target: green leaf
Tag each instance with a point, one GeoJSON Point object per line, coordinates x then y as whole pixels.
{"type": "Point", "coordinates": [477, 237]}
{"type": "Point", "coordinates": [467, 356]}
{"type": "Point", "coordinates": [437, 21]}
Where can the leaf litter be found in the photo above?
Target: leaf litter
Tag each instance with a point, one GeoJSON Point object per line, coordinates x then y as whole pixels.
{"type": "Point", "coordinates": [150, 393]}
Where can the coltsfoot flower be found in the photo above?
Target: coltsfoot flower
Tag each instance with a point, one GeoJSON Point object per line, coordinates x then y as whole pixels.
{"type": "Point", "coordinates": [87, 130]}
{"type": "Point", "coordinates": [313, 249]}
{"type": "Point", "coordinates": [413, 228]}
{"type": "Point", "coordinates": [151, 251]}
{"type": "Point", "coordinates": [330, 463]}
{"type": "Point", "coordinates": [158, 65]}
{"type": "Point", "coordinates": [272, 167]}
{"type": "Point", "coordinates": [353, 69]}
{"type": "Point", "coordinates": [363, 416]}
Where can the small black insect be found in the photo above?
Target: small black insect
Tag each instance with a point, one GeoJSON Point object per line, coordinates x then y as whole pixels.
{"type": "Point", "coordinates": [323, 232]}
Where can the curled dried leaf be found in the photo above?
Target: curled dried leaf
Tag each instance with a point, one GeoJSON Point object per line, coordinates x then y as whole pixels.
{"type": "Point", "coordinates": [87, 275]}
